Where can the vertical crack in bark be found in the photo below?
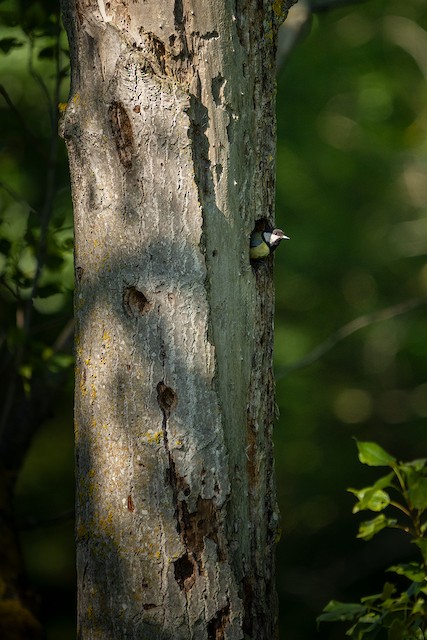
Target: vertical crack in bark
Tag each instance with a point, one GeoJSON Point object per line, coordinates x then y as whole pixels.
{"type": "Point", "coordinates": [195, 527]}
{"type": "Point", "coordinates": [217, 624]}
{"type": "Point", "coordinates": [180, 20]}
{"type": "Point", "coordinates": [167, 401]}
{"type": "Point", "coordinates": [199, 120]}
{"type": "Point", "coordinates": [204, 522]}
{"type": "Point", "coordinates": [178, 14]}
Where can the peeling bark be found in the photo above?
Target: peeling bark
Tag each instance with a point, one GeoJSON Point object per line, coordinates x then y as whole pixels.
{"type": "Point", "coordinates": [170, 131]}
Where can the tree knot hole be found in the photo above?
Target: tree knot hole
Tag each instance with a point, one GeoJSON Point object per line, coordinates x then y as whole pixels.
{"type": "Point", "coordinates": [121, 127]}
{"type": "Point", "coordinates": [135, 302]}
{"type": "Point", "coordinates": [261, 224]}
{"type": "Point", "coordinates": [185, 571]}
{"type": "Point", "coordinates": [166, 398]}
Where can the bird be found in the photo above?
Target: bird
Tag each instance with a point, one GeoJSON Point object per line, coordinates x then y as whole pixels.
{"type": "Point", "coordinates": [264, 242]}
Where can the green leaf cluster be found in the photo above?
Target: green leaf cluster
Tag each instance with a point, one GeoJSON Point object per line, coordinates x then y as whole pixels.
{"type": "Point", "coordinates": [394, 613]}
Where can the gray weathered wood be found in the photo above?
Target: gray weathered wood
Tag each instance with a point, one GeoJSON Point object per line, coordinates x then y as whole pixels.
{"type": "Point", "coordinates": [170, 131]}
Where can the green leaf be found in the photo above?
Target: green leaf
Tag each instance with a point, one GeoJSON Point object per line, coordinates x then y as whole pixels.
{"type": "Point", "coordinates": [422, 545]}
{"type": "Point", "coordinates": [412, 570]}
{"type": "Point", "coordinates": [370, 498]}
{"type": "Point", "coordinates": [370, 600]}
{"type": "Point", "coordinates": [370, 618]}
{"type": "Point", "coordinates": [60, 362]}
{"type": "Point", "coordinates": [384, 481]}
{"type": "Point", "coordinates": [418, 465]}
{"type": "Point", "coordinates": [388, 591]}
{"type": "Point", "coordinates": [417, 492]}
{"type": "Point", "coordinates": [415, 588]}
{"type": "Point", "coordinates": [373, 455]}
{"type": "Point", "coordinates": [370, 528]}
{"type": "Point", "coordinates": [419, 606]}
{"type": "Point", "coordinates": [341, 611]}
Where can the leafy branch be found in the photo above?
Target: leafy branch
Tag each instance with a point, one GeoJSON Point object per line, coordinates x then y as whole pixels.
{"type": "Point", "coordinates": [403, 614]}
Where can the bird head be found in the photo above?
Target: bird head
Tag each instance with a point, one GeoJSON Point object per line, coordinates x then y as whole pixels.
{"type": "Point", "coordinates": [273, 237]}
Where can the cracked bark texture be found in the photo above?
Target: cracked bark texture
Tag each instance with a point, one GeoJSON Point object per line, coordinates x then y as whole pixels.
{"type": "Point", "coordinates": [170, 131]}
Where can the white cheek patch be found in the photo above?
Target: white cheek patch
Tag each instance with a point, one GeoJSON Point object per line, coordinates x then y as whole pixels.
{"type": "Point", "coordinates": [274, 238]}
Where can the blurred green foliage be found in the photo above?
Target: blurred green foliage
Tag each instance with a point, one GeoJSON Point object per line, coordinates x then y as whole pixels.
{"type": "Point", "coordinates": [36, 281]}
{"type": "Point", "coordinates": [351, 193]}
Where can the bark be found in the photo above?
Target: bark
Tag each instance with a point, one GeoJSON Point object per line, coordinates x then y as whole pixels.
{"type": "Point", "coordinates": [170, 131]}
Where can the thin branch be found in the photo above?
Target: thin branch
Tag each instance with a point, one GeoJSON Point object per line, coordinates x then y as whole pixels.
{"type": "Point", "coordinates": [15, 110]}
{"type": "Point", "coordinates": [297, 25]}
{"type": "Point", "coordinates": [9, 288]}
{"type": "Point", "coordinates": [64, 337]}
{"type": "Point", "coordinates": [51, 172]}
{"type": "Point", "coordinates": [349, 329]}
{"type": "Point", "coordinates": [401, 508]}
{"type": "Point", "coordinates": [31, 524]}
{"type": "Point", "coordinates": [294, 29]}
{"type": "Point", "coordinates": [16, 196]}
{"type": "Point", "coordinates": [37, 77]}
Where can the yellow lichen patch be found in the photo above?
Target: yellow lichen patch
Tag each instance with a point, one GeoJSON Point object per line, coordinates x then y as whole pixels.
{"type": "Point", "coordinates": [278, 8]}
{"type": "Point", "coordinates": [79, 303]}
{"type": "Point", "coordinates": [153, 437]}
{"type": "Point", "coordinates": [106, 523]}
{"type": "Point", "coordinates": [87, 362]}
{"type": "Point", "coordinates": [83, 388]}
{"type": "Point", "coordinates": [82, 532]}
{"type": "Point", "coordinates": [269, 34]}
{"type": "Point", "coordinates": [89, 489]}
{"type": "Point", "coordinates": [92, 392]}
{"type": "Point", "coordinates": [76, 429]}
{"type": "Point", "coordinates": [106, 337]}
{"type": "Point", "coordinates": [62, 106]}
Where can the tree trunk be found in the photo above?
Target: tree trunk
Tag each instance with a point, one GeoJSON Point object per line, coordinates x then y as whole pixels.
{"type": "Point", "coordinates": [170, 131]}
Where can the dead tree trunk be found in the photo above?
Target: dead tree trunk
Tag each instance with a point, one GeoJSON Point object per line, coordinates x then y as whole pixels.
{"type": "Point", "coordinates": [170, 131]}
